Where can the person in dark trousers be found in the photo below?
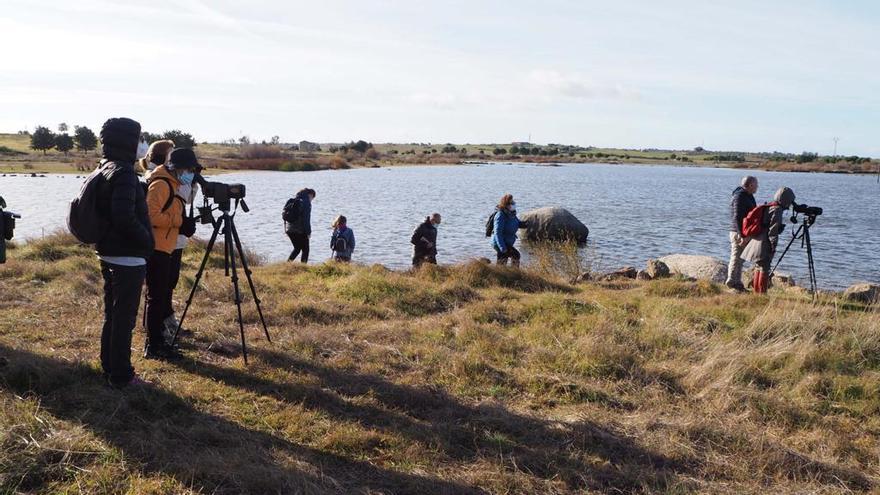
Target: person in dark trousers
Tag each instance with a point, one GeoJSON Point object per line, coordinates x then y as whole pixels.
{"type": "Point", "coordinates": [124, 248]}
{"type": "Point", "coordinates": [299, 228]}
{"type": "Point", "coordinates": [424, 241]}
{"type": "Point", "coordinates": [342, 240]}
{"type": "Point", "coordinates": [506, 224]}
{"type": "Point", "coordinates": [741, 203]}
{"type": "Point", "coordinates": [761, 248]}
{"type": "Point", "coordinates": [166, 210]}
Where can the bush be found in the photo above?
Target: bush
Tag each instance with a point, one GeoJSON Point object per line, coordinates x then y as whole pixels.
{"type": "Point", "coordinates": [252, 151]}
{"type": "Point", "coordinates": [42, 139]}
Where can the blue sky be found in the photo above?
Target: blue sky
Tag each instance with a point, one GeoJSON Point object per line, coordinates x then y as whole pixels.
{"type": "Point", "coordinates": [743, 75]}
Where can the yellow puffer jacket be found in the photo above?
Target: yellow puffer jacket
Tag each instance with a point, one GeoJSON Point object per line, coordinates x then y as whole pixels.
{"type": "Point", "coordinates": [166, 221]}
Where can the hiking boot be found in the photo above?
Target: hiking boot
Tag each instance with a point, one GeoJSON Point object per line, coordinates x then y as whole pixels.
{"type": "Point", "coordinates": [135, 381]}
{"type": "Point", "coordinates": [161, 352]}
{"type": "Point", "coordinates": [170, 325]}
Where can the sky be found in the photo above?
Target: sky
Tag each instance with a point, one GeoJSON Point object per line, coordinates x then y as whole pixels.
{"type": "Point", "coordinates": [741, 75]}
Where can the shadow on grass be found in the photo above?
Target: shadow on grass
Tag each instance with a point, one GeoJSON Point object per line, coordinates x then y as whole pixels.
{"type": "Point", "coordinates": [582, 455]}
{"type": "Point", "coordinates": [164, 434]}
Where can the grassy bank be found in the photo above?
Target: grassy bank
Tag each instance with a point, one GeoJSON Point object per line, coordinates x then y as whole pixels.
{"type": "Point", "coordinates": [17, 157]}
{"type": "Point", "coordinates": [466, 379]}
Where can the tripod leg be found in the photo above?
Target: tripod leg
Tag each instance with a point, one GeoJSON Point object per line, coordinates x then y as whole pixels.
{"type": "Point", "coordinates": [810, 265]}
{"type": "Point", "coordinates": [230, 228]}
{"type": "Point", "coordinates": [247, 273]}
{"type": "Point", "coordinates": [199, 273]}
{"type": "Point", "coordinates": [779, 260]}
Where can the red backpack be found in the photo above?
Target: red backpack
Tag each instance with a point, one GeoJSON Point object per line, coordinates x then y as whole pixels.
{"type": "Point", "coordinates": [753, 223]}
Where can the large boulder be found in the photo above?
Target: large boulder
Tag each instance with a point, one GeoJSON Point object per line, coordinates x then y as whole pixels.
{"type": "Point", "coordinates": [553, 224]}
{"type": "Point", "coordinates": [697, 267]}
{"type": "Point", "coordinates": [656, 269]}
{"type": "Point", "coordinates": [863, 292]}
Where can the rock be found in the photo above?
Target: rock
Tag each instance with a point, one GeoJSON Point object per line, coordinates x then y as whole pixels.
{"type": "Point", "coordinates": [657, 269]}
{"type": "Point", "coordinates": [863, 292]}
{"type": "Point", "coordinates": [696, 266]}
{"type": "Point", "coordinates": [626, 272]}
{"type": "Point", "coordinates": [554, 224]}
{"type": "Point", "coordinates": [643, 275]}
{"type": "Point", "coordinates": [783, 280]}
{"type": "Point", "coordinates": [584, 277]}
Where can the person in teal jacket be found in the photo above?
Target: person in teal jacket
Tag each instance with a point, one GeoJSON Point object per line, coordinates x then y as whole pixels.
{"type": "Point", "coordinates": [506, 224]}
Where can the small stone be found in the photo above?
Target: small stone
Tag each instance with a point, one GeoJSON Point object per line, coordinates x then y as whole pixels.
{"type": "Point", "coordinates": [643, 275]}
{"type": "Point", "coordinates": [626, 272]}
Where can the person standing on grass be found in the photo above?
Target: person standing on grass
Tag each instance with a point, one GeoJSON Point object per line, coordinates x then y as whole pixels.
{"type": "Point", "coordinates": [424, 241]}
{"type": "Point", "coordinates": [342, 240]}
{"type": "Point", "coordinates": [761, 248]}
{"type": "Point", "coordinates": [506, 224]}
{"type": "Point", "coordinates": [741, 203]}
{"type": "Point", "coordinates": [124, 248]}
{"type": "Point", "coordinates": [166, 209]}
{"type": "Point", "coordinates": [298, 223]}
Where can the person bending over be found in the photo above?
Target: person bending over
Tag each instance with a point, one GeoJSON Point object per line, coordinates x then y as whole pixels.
{"type": "Point", "coordinates": [424, 241]}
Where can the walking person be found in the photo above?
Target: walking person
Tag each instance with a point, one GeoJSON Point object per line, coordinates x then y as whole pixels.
{"type": "Point", "coordinates": [124, 248]}
{"type": "Point", "coordinates": [297, 217]}
{"type": "Point", "coordinates": [342, 240]}
{"type": "Point", "coordinates": [166, 210]}
{"type": "Point", "coordinates": [762, 247]}
{"type": "Point", "coordinates": [505, 226]}
{"type": "Point", "coordinates": [424, 241]}
{"type": "Point", "coordinates": [741, 203]}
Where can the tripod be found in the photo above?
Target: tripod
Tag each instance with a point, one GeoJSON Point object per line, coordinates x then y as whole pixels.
{"type": "Point", "coordinates": [231, 245]}
{"type": "Point", "coordinates": [802, 233]}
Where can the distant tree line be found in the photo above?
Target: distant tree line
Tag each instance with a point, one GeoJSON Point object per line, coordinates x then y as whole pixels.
{"type": "Point", "coordinates": [84, 139]}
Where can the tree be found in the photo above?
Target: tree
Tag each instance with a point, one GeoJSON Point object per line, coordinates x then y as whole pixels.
{"type": "Point", "coordinates": [63, 142]}
{"type": "Point", "coordinates": [361, 146]}
{"type": "Point", "coordinates": [150, 137]}
{"type": "Point", "coordinates": [449, 149]}
{"type": "Point", "coordinates": [42, 139]}
{"type": "Point", "coordinates": [276, 140]}
{"type": "Point", "coordinates": [84, 138]}
{"type": "Point", "coordinates": [182, 139]}
{"type": "Point", "coordinates": [62, 127]}
{"type": "Point", "coordinates": [499, 151]}
{"type": "Point", "coordinates": [243, 141]}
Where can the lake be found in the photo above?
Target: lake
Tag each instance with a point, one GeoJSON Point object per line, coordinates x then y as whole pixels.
{"type": "Point", "coordinates": [634, 212]}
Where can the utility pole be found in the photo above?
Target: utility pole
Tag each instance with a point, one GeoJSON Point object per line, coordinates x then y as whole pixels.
{"type": "Point", "coordinates": [836, 139]}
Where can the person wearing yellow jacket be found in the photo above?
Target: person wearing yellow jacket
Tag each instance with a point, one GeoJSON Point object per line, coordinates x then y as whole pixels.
{"type": "Point", "coordinates": [166, 211]}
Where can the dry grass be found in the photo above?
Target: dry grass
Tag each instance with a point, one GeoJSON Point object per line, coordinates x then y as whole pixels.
{"type": "Point", "coordinates": [466, 379]}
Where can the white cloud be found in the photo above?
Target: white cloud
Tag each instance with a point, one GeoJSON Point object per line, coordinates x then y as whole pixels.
{"type": "Point", "coordinates": [579, 87]}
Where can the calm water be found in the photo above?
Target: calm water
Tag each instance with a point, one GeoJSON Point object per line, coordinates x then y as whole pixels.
{"type": "Point", "coordinates": [633, 212]}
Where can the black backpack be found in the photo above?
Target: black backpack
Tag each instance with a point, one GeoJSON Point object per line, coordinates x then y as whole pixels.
{"type": "Point", "coordinates": [490, 224]}
{"type": "Point", "coordinates": [341, 244]}
{"type": "Point", "coordinates": [84, 219]}
{"type": "Point", "coordinates": [292, 210]}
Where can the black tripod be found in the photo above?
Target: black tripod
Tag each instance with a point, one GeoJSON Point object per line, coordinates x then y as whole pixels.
{"type": "Point", "coordinates": [802, 233]}
{"type": "Point", "coordinates": [231, 246]}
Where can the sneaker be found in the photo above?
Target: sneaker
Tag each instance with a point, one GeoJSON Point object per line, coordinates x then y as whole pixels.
{"type": "Point", "coordinates": [162, 353]}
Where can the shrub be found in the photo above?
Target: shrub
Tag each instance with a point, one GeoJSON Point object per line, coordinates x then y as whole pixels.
{"type": "Point", "coordinates": [252, 151]}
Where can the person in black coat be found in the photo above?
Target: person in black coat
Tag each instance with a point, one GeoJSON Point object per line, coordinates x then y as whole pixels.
{"type": "Point", "coordinates": [299, 228]}
{"type": "Point", "coordinates": [742, 201]}
{"type": "Point", "coordinates": [424, 241]}
{"type": "Point", "coordinates": [124, 248]}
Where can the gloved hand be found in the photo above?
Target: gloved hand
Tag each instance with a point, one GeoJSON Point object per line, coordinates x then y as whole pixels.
{"type": "Point", "coordinates": [188, 228]}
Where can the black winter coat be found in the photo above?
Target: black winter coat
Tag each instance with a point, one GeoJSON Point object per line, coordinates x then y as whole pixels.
{"type": "Point", "coordinates": [741, 203]}
{"type": "Point", "coordinates": [121, 198]}
{"type": "Point", "coordinates": [425, 232]}
{"type": "Point", "coordinates": [303, 223]}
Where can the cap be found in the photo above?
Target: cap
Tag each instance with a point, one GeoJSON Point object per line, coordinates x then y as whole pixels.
{"type": "Point", "coordinates": [184, 158]}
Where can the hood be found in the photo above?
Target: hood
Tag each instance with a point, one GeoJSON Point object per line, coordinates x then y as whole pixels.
{"type": "Point", "coordinates": [119, 139]}
{"type": "Point", "coordinates": [784, 196]}
{"type": "Point", "coordinates": [163, 172]}
{"type": "Point", "coordinates": [303, 195]}
{"type": "Point", "coordinates": [738, 190]}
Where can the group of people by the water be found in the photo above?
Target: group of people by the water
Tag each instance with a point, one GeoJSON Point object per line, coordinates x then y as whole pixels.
{"type": "Point", "coordinates": [754, 233]}
{"type": "Point", "coordinates": [297, 217]}
{"type": "Point", "coordinates": [144, 229]}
